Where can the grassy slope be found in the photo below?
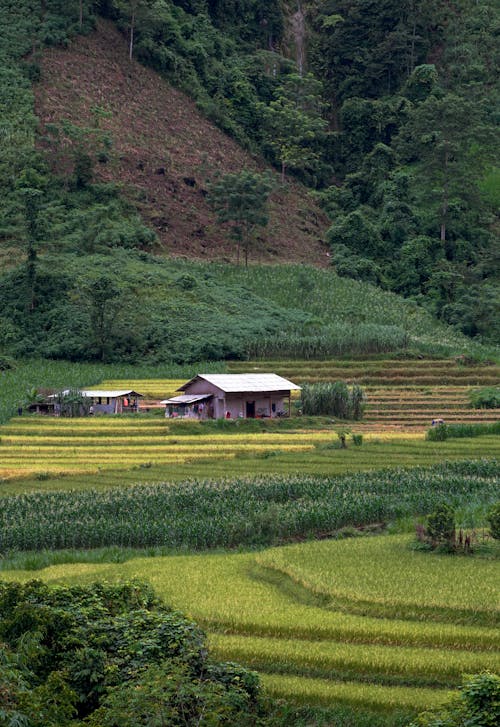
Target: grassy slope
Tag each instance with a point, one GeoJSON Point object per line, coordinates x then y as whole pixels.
{"type": "Point", "coordinates": [155, 127]}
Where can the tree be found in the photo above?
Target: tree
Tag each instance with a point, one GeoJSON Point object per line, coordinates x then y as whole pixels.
{"type": "Point", "coordinates": [104, 298]}
{"type": "Point", "coordinates": [241, 200]}
{"type": "Point", "coordinates": [30, 187]}
{"type": "Point", "coordinates": [293, 124]}
{"type": "Point", "coordinates": [450, 145]}
{"type": "Point", "coordinates": [132, 10]}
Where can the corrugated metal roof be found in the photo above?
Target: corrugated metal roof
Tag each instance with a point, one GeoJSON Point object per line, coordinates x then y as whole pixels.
{"type": "Point", "coordinates": [94, 393]}
{"type": "Point", "coordinates": [112, 394]}
{"type": "Point", "coordinates": [235, 383]}
{"type": "Point", "coordinates": [186, 399]}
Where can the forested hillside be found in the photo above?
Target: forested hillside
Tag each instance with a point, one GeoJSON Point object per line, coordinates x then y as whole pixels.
{"type": "Point", "coordinates": [385, 114]}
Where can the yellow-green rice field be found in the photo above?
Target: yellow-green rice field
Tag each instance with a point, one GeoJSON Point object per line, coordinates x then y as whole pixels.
{"type": "Point", "coordinates": [307, 647]}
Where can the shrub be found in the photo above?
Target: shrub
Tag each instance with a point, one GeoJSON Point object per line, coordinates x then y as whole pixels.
{"type": "Point", "coordinates": [112, 655]}
{"type": "Point", "coordinates": [486, 398]}
{"type": "Point", "coordinates": [478, 704]}
{"type": "Point", "coordinates": [441, 525]}
{"type": "Point", "coordinates": [494, 521]}
{"type": "Point", "coordinates": [357, 440]}
{"type": "Point", "coordinates": [437, 434]}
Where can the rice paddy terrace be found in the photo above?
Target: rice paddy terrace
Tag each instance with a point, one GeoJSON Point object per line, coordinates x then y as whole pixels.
{"type": "Point", "coordinates": [366, 623]}
{"type": "Point", "coordinates": [402, 394]}
{"type": "Point", "coordinates": [403, 398]}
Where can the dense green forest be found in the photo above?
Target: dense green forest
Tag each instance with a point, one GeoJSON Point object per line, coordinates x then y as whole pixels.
{"type": "Point", "coordinates": [388, 111]}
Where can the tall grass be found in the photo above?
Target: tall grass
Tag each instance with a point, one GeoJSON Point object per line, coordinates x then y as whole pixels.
{"type": "Point", "coordinates": [334, 399]}
{"type": "Point", "coordinates": [334, 340]}
{"type": "Point", "coordinates": [459, 431]}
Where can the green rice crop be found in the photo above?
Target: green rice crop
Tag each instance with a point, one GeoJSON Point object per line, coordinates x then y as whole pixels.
{"type": "Point", "coordinates": [324, 692]}
{"type": "Point", "coordinates": [336, 660]}
{"type": "Point", "coordinates": [229, 593]}
{"type": "Point", "coordinates": [304, 650]}
{"type": "Point", "coordinates": [382, 576]}
{"type": "Point", "coordinates": [208, 514]}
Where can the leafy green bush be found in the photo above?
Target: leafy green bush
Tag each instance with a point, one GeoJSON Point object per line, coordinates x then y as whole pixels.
{"type": "Point", "coordinates": [478, 705]}
{"type": "Point", "coordinates": [494, 521]}
{"type": "Point", "coordinates": [111, 655]}
{"type": "Point", "coordinates": [441, 525]}
{"type": "Point", "coordinates": [486, 398]}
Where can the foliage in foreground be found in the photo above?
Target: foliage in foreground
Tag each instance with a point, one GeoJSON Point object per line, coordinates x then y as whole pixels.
{"type": "Point", "coordinates": [107, 655]}
{"type": "Point", "coordinates": [478, 705]}
{"type": "Point", "coordinates": [228, 513]}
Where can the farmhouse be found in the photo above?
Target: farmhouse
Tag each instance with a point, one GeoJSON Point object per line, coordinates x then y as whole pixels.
{"type": "Point", "coordinates": [231, 396]}
{"type": "Point", "coordinates": [102, 401]}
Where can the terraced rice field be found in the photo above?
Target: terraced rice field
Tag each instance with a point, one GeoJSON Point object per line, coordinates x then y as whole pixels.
{"type": "Point", "coordinates": [278, 611]}
{"type": "Point", "coordinates": [107, 446]}
{"type": "Point", "coordinates": [402, 395]}
{"type": "Point", "coordinates": [386, 372]}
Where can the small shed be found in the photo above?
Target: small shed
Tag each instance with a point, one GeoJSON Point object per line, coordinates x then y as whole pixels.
{"type": "Point", "coordinates": [113, 402]}
{"type": "Point", "coordinates": [105, 401]}
{"type": "Point", "coordinates": [231, 396]}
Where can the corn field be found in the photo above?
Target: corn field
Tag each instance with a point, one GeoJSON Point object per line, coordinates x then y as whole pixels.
{"type": "Point", "coordinates": [227, 513]}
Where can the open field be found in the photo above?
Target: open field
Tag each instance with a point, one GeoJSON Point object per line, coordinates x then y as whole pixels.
{"type": "Point", "coordinates": [324, 622]}
{"type": "Point", "coordinates": [241, 511]}
{"type": "Point", "coordinates": [39, 447]}
{"type": "Point", "coordinates": [307, 648]}
{"type": "Point", "coordinates": [119, 450]}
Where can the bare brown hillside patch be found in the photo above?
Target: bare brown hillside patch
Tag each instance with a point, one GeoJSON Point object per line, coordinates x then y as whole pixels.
{"type": "Point", "coordinates": [164, 151]}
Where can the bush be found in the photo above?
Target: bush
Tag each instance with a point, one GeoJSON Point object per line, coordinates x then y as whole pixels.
{"type": "Point", "coordinates": [494, 521]}
{"type": "Point", "coordinates": [487, 398]}
{"type": "Point", "coordinates": [111, 655]}
{"type": "Point", "coordinates": [441, 525]}
{"type": "Point", "coordinates": [478, 705]}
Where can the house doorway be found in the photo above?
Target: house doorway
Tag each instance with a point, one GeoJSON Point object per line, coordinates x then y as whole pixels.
{"type": "Point", "coordinates": [250, 409]}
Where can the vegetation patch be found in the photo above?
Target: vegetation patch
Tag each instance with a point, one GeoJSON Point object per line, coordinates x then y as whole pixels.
{"type": "Point", "coordinates": [229, 513]}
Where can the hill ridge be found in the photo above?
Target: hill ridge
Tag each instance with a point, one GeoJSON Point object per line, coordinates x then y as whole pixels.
{"type": "Point", "coordinates": [164, 150]}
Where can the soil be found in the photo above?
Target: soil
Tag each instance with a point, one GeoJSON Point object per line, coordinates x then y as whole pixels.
{"type": "Point", "coordinates": [164, 152]}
